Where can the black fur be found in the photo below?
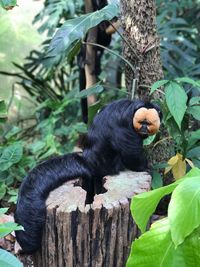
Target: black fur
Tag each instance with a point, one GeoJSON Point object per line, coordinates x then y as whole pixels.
{"type": "Point", "coordinates": [112, 146]}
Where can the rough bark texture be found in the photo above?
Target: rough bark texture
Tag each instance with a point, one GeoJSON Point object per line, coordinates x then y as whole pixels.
{"type": "Point", "coordinates": [139, 25]}
{"type": "Point", "coordinates": [93, 235]}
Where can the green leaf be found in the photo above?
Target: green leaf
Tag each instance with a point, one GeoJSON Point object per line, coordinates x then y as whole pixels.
{"type": "Point", "coordinates": [193, 138]}
{"type": "Point", "coordinates": [14, 131]}
{"type": "Point", "coordinates": [183, 211]}
{"type": "Point", "coordinates": [149, 140]}
{"type": "Point", "coordinates": [73, 30]}
{"type": "Point", "coordinates": [195, 111]}
{"type": "Point", "coordinates": [3, 111]}
{"type": "Point", "coordinates": [143, 205]}
{"type": "Point", "coordinates": [194, 153]}
{"type": "Point", "coordinates": [158, 84]}
{"type": "Point", "coordinates": [8, 260]}
{"type": "Point", "coordinates": [176, 99]}
{"type": "Point", "coordinates": [8, 4]}
{"type": "Point", "coordinates": [92, 111]}
{"type": "Point", "coordinates": [8, 227]}
{"type": "Point", "coordinates": [194, 172]}
{"type": "Point", "coordinates": [194, 100]}
{"type": "Point", "coordinates": [37, 146]}
{"type": "Point", "coordinates": [188, 80]}
{"type": "Point", "coordinates": [155, 248]}
{"type": "Point", "coordinates": [3, 210]}
{"type": "Point", "coordinates": [11, 155]}
{"type": "Point", "coordinates": [80, 127]}
{"type": "Point", "coordinates": [2, 190]}
{"type": "Point", "coordinates": [95, 89]}
{"type": "Point", "coordinates": [157, 181]}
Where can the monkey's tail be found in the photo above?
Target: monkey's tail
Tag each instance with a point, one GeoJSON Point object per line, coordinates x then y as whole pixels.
{"type": "Point", "coordinates": [31, 208]}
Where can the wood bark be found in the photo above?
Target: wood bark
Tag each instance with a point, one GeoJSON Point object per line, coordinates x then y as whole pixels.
{"type": "Point", "coordinates": [139, 24]}
{"type": "Point", "coordinates": [138, 18]}
{"type": "Point", "coordinates": [96, 235]}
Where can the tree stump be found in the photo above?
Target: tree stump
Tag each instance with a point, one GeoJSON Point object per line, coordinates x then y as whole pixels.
{"type": "Point", "coordinates": [96, 235]}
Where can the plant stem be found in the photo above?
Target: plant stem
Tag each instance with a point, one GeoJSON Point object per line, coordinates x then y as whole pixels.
{"type": "Point", "coordinates": [112, 52]}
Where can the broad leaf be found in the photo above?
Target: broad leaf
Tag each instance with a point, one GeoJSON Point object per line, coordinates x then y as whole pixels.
{"type": "Point", "coordinates": [194, 100]}
{"type": "Point", "coordinates": [95, 89]}
{"type": "Point", "coordinates": [8, 227]}
{"type": "Point", "coordinates": [195, 111]}
{"type": "Point", "coordinates": [3, 210]}
{"type": "Point", "coordinates": [193, 138]}
{"type": "Point", "coordinates": [183, 211]}
{"type": "Point", "coordinates": [178, 166]}
{"type": "Point", "coordinates": [143, 205]}
{"type": "Point", "coordinates": [194, 153]}
{"type": "Point", "coordinates": [11, 155]}
{"type": "Point", "coordinates": [73, 30]}
{"type": "Point", "coordinates": [149, 140]}
{"type": "Point", "coordinates": [176, 99]}
{"type": "Point", "coordinates": [157, 84]}
{"type": "Point", "coordinates": [155, 248]}
{"type": "Point", "coordinates": [188, 80]}
{"type": "Point", "coordinates": [157, 181]}
{"type": "Point", "coordinates": [8, 260]}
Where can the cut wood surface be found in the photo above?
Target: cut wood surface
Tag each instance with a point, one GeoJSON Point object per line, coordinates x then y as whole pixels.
{"type": "Point", "coordinates": [100, 234]}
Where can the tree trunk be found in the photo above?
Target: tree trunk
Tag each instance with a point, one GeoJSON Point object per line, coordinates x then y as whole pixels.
{"type": "Point", "coordinates": [97, 235]}
{"type": "Point", "coordinates": [139, 25]}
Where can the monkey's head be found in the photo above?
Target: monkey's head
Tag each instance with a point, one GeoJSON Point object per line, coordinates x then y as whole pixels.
{"type": "Point", "coordinates": [147, 119]}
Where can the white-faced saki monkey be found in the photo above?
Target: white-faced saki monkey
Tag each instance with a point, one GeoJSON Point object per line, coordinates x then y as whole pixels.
{"type": "Point", "coordinates": [114, 143]}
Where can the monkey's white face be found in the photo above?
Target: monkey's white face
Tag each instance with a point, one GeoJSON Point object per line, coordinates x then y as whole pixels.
{"type": "Point", "coordinates": [146, 121]}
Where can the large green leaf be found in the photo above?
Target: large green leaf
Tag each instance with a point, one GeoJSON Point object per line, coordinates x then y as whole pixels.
{"type": "Point", "coordinates": [8, 260]}
{"type": "Point", "coordinates": [143, 205]}
{"type": "Point", "coordinates": [176, 99]}
{"type": "Point", "coordinates": [73, 30]}
{"type": "Point", "coordinates": [11, 155]}
{"type": "Point", "coordinates": [155, 248]}
{"type": "Point", "coordinates": [183, 211]}
{"type": "Point", "coordinates": [157, 84]}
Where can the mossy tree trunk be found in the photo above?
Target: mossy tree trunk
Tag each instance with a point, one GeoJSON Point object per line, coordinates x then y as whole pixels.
{"type": "Point", "coordinates": [139, 25]}
{"type": "Point", "coordinates": [142, 49]}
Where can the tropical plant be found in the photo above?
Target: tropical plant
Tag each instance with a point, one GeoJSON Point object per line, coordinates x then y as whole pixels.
{"type": "Point", "coordinates": [173, 241]}
{"type": "Point", "coordinates": [8, 4]}
{"type": "Point", "coordinates": [6, 258]}
{"type": "Point", "coordinates": [181, 110]}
